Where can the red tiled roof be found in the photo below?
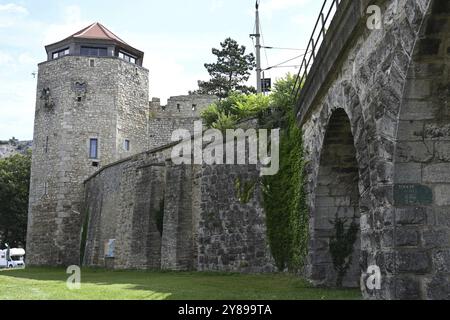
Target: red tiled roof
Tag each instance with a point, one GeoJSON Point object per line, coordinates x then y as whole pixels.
{"type": "Point", "coordinates": [97, 31]}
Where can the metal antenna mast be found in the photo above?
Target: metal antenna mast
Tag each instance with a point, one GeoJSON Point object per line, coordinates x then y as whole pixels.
{"type": "Point", "coordinates": [257, 35]}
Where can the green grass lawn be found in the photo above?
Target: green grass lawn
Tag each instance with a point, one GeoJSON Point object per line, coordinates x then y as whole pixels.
{"type": "Point", "coordinates": [50, 284]}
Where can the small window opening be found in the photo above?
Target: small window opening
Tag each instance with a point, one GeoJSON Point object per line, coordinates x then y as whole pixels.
{"type": "Point", "coordinates": [93, 149]}
{"type": "Point", "coordinates": [178, 107]}
{"type": "Point", "coordinates": [92, 63]}
{"type": "Point", "coordinates": [194, 107]}
{"type": "Point", "coordinates": [127, 145]}
{"type": "Point", "coordinates": [60, 53]}
{"type": "Point", "coordinates": [46, 144]}
{"type": "Point", "coordinates": [79, 99]}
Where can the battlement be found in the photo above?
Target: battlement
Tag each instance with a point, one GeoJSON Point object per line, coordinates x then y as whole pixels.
{"type": "Point", "coordinates": [185, 106]}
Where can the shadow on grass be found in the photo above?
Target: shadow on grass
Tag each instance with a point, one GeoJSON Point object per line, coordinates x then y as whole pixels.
{"type": "Point", "coordinates": [179, 285]}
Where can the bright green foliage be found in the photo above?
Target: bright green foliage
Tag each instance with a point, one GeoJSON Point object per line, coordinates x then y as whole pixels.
{"type": "Point", "coordinates": [284, 194]}
{"type": "Point", "coordinates": [285, 203]}
{"type": "Point", "coordinates": [341, 246]}
{"type": "Point", "coordinates": [14, 187]}
{"type": "Point", "coordinates": [227, 112]}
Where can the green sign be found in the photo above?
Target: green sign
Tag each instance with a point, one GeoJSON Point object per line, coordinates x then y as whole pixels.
{"type": "Point", "coordinates": [412, 194]}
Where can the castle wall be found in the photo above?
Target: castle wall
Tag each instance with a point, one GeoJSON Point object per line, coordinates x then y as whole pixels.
{"type": "Point", "coordinates": [231, 233]}
{"type": "Point", "coordinates": [177, 114]}
{"type": "Point", "coordinates": [205, 226]}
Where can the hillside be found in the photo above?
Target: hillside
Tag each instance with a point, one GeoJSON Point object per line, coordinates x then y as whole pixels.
{"type": "Point", "coordinates": [13, 146]}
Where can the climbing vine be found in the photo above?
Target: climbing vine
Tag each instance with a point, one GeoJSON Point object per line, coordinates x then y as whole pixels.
{"type": "Point", "coordinates": [244, 190]}
{"type": "Point", "coordinates": [341, 246]}
{"type": "Point", "coordinates": [283, 194]}
{"type": "Point", "coordinates": [285, 202]}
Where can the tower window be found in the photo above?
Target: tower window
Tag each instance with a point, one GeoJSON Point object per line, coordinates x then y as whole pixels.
{"type": "Point", "coordinates": [127, 57]}
{"type": "Point", "coordinates": [194, 107]}
{"type": "Point", "coordinates": [92, 63]}
{"type": "Point", "coordinates": [178, 107]}
{"type": "Point", "coordinates": [126, 145]}
{"type": "Point", "coordinates": [94, 52]}
{"type": "Point", "coordinates": [61, 53]}
{"type": "Point", "coordinates": [93, 149]}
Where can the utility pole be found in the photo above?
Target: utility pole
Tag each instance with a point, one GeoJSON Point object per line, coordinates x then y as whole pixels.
{"type": "Point", "coordinates": [257, 35]}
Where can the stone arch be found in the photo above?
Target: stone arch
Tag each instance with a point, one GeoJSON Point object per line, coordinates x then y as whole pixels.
{"type": "Point", "coordinates": [336, 196]}
{"type": "Point", "coordinates": [421, 236]}
{"type": "Point", "coordinates": [342, 111]}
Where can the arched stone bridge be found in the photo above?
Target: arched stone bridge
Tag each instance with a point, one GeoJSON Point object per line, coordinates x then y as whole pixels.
{"type": "Point", "coordinates": [375, 116]}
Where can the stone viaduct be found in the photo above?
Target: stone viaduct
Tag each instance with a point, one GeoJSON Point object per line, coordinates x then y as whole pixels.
{"type": "Point", "coordinates": [375, 117]}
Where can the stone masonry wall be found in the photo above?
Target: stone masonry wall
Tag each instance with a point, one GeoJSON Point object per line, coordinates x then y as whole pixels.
{"type": "Point", "coordinates": [78, 98]}
{"type": "Point", "coordinates": [179, 113]}
{"type": "Point", "coordinates": [393, 86]}
{"type": "Point", "coordinates": [205, 226]}
{"type": "Point", "coordinates": [231, 233]}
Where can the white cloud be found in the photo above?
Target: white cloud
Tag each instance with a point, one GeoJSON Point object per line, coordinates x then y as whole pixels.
{"type": "Point", "coordinates": [13, 8]}
{"type": "Point", "coordinates": [169, 78]}
{"type": "Point", "coordinates": [72, 22]}
{"type": "Point", "coordinates": [10, 14]}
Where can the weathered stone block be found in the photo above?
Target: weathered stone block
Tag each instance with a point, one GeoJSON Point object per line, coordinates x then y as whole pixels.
{"type": "Point", "coordinates": [410, 130]}
{"type": "Point", "coordinates": [442, 195]}
{"type": "Point", "coordinates": [408, 173]}
{"type": "Point", "coordinates": [413, 261]}
{"type": "Point", "coordinates": [436, 173]}
{"type": "Point", "coordinates": [406, 237]}
{"type": "Point", "coordinates": [408, 288]}
{"type": "Point", "coordinates": [441, 260]}
{"type": "Point", "coordinates": [415, 151]}
{"type": "Point", "coordinates": [437, 287]}
{"type": "Point", "coordinates": [442, 151]}
{"type": "Point", "coordinates": [435, 238]}
{"type": "Point", "coordinates": [411, 216]}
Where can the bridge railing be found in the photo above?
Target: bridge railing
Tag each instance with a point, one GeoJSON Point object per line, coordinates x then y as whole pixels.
{"type": "Point", "coordinates": [323, 22]}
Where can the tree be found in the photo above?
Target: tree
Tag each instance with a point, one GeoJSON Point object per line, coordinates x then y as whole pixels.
{"type": "Point", "coordinates": [14, 187]}
{"type": "Point", "coordinates": [230, 72]}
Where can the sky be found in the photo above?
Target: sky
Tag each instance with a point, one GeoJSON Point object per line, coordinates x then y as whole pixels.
{"type": "Point", "coordinates": [176, 35]}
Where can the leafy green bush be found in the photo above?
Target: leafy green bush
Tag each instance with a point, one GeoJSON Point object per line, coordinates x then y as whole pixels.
{"type": "Point", "coordinates": [225, 113]}
{"type": "Point", "coordinates": [14, 186]}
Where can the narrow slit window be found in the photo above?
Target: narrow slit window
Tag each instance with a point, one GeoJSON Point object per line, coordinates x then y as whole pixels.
{"type": "Point", "coordinates": [127, 145]}
{"type": "Point", "coordinates": [93, 149]}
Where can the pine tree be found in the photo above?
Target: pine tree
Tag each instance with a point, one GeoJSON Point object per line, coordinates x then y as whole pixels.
{"type": "Point", "coordinates": [230, 72]}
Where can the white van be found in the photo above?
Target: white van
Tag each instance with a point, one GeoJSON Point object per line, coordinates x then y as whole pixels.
{"type": "Point", "coordinates": [15, 258]}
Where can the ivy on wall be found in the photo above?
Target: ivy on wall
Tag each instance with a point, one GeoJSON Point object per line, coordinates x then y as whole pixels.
{"type": "Point", "coordinates": [285, 203]}
{"type": "Point", "coordinates": [283, 194]}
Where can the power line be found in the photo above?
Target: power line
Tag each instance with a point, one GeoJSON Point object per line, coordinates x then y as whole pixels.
{"type": "Point", "coordinates": [280, 48]}
{"type": "Point", "coordinates": [281, 63]}
{"type": "Point", "coordinates": [274, 67]}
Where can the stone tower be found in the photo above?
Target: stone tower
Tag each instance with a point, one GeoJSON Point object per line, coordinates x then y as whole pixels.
{"type": "Point", "coordinates": [91, 110]}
